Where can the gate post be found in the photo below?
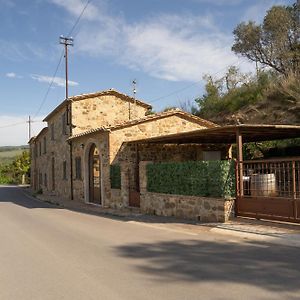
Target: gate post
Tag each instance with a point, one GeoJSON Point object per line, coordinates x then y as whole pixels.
{"type": "Point", "coordinates": [294, 189]}
{"type": "Point", "coordinates": [239, 146]}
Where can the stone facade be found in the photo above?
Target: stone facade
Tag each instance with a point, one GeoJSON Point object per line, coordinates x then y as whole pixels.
{"type": "Point", "coordinates": [96, 110]}
{"type": "Point", "coordinates": [119, 150]}
{"type": "Point", "coordinates": [201, 209]}
{"type": "Point", "coordinates": [103, 111]}
{"type": "Point", "coordinates": [62, 160]}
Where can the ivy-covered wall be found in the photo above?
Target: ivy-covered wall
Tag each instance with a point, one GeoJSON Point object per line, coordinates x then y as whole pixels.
{"type": "Point", "coordinates": [115, 176]}
{"type": "Point", "coordinates": [194, 178]}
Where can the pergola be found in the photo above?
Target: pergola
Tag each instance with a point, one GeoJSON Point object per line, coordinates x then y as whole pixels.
{"type": "Point", "coordinates": [229, 134]}
{"type": "Point", "coordinates": [279, 207]}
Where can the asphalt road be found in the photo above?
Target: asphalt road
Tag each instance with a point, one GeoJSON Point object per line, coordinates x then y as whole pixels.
{"type": "Point", "coordinates": [52, 253]}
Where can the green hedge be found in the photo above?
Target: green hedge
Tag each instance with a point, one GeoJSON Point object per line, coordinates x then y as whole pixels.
{"type": "Point", "coordinates": [194, 178]}
{"type": "Point", "coordinates": [115, 176]}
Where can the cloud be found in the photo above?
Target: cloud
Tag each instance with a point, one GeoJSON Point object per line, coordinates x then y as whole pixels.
{"type": "Point", "coordinates": [257, 11]}
{"type": "Point", "coordinates": [177, 48]}
{"type": "Point", "coordinates": [17, 133]}
{"type": "Point", "coordinates": [13, 75]}
{"type": "Point", "coordinates": [168, 46]}
{"type": "Point", "coordinates": [75, 8]}
{"type": "Point", "coordinates": [58, 81]}
{"type": "Point", "coordinates": [15, 51]}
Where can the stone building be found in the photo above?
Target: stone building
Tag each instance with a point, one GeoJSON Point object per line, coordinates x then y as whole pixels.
{"type": "Point", "coordinates": [89, 134]}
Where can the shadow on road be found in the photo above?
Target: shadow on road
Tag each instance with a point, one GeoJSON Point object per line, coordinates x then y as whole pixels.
{"type": "Point", "coordinates": [13, 194]}
{"type": "Point", "coordinates": [273, 268]}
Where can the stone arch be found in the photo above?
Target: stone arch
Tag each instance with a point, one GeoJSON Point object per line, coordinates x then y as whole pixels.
{"type": "Point", "coordinates": [86, 170]}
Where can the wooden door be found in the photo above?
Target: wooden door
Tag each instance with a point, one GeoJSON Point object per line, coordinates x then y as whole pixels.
{"type": "Point", "coordinates": [94, 176]}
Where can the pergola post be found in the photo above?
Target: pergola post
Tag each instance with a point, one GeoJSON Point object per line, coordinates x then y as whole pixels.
{"type": "Point", "coordinates": [239, 147]}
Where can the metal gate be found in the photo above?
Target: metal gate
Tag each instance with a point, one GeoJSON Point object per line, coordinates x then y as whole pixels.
{"type": "Point", "coordinates": [269, 189]}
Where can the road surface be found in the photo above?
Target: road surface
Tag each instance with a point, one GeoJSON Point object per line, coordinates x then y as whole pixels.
{"type": "Point", "coordinates": [52, 253]}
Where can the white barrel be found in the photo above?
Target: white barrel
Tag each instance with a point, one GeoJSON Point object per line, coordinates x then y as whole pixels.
{"type": "Point", "coordinates": [263, 185]}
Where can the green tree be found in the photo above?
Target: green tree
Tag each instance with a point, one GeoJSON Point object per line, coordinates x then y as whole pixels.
{"type": "Point", "coordinates": [230, 92]}
{"type": "Point", "coordinates": [16, 171]}
{"type": "Point", "coordinates": [275, 43]}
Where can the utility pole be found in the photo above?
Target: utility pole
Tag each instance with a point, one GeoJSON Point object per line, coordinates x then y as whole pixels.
{"type": "Point", "coordinates": [68, 41]}
{"type": "Point", "coordinates": [29, 127]}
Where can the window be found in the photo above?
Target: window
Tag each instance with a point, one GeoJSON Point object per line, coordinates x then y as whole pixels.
{"type": "Point", "coordinates": [40, 148]}
{"type": "Point", "coordinates": [64, 170]}
{"type": "Point", "coordinates": [45, 145]}
{"type": "Point", "coordinates": [53, 173]}
{"type": "Point", "coordinates": [40, 179]}
{"type": "Point", "coordinates": [64, 123]}
{"type": "Point", "coordinates": [52, 132]}
{"type": "Point", "coordinates": [78, 168]}
{"type": "Point", "coordinates": [45, 180]}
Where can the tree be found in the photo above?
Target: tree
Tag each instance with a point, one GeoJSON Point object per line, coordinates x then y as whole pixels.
{"type": "Point", "coordinates": [275, 43]}
{"type": "Point", "coordinates": [226, 93]}
{"type": "Point", "coordinates": [16, 171]}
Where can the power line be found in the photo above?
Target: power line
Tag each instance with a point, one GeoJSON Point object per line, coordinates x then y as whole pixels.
{"type": "Point", "coordinates": [190, 85]}
{"type": "Point", "coordinates": [79, 17]}
{"type": "Point", "coordinates": [20, 123]}
{"type": "Point", "coordinates": [60, 59]}
{"type": "Point", "coordinates": [13, 124]}
{"type": "Point", "coordinates": [50, 85]}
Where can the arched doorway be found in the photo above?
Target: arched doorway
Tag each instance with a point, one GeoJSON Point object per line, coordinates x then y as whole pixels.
{"type": "Point", "coordinates": [94, 176]}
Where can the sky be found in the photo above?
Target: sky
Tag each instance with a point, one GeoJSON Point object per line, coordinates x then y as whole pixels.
{"type": "Point", "coordinates": [167, 46]}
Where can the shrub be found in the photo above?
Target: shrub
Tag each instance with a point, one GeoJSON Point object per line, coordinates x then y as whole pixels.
{"type": "Point", "coordinates": [201, 178]}
{"type": "Point", "coordinates": [115, 176]}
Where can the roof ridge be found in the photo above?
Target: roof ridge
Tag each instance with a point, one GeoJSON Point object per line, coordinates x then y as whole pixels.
{"type": "Point", "coordinates": [109, 91]}
{"type": "Point", "coordinates": [96, 94]}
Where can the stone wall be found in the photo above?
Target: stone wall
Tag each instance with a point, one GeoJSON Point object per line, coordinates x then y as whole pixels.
{"type": "Point", "coordinates": [81, 148]}
{"type": "Point", "coordinates": [40, 180]}
{"type": "Point", "coordinates": [201, 209]}
{"type": "Point", "coordinates": [57, 151]}
{"type": "Point", "coordinates": [103, 111]}
{"type": "Point", "coordinates": [86, 114]}
{"type": "Point", "coordinates": [153, 128]}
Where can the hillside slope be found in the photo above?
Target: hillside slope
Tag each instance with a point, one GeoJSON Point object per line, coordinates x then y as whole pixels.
{"type": "Point", "coordinates": [266, 112]}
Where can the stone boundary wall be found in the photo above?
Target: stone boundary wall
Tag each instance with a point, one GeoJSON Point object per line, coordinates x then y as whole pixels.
{"type": "Point", "coordinates": [196, 208]}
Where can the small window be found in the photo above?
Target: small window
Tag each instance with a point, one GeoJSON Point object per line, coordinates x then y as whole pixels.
{"type": "Point", "coordinates": [65, 170]}
{"type": "Point", "coordinates": [45, 180]}
{"type": "Point", "coordinates": [64, 123]}
{"type": "Point", "coordinates": [52, 132]}
{"type": "Point", "coordinates": [45, 145]}
{"type": "Point", "coordinates": [40, 148]}
{"type": "Point", "coordinates": [78, 168]}
{"type": "Point", "coordinates": [53, 173]}
{"type": "Point", "coordinates": [40, 179]}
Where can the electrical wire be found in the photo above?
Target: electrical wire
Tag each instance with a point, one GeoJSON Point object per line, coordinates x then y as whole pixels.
{"type": "Point", "coordinates": [60, 59]}
{"type": "Point", "coordinates": [50, 85]}
{"type": "Point", "coordinates": [12, 125]}
{"type": "Point", "coordinates": [20, 123]}
{"type": "Point", "coordinates": [192, 84]}
{"type": "Point", "coordinates": [79, 17]}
